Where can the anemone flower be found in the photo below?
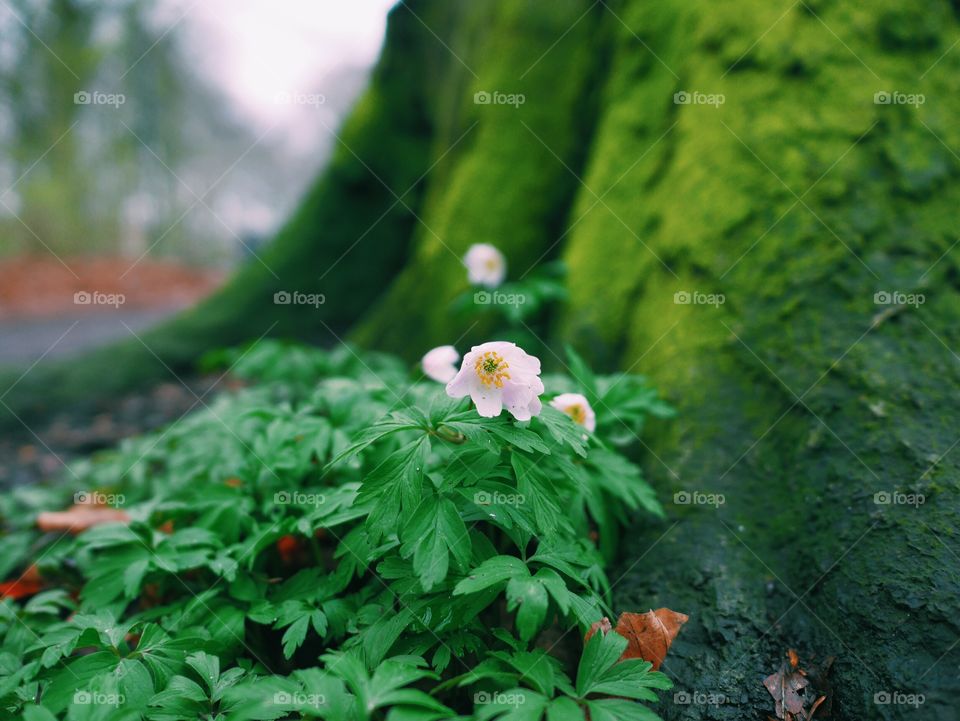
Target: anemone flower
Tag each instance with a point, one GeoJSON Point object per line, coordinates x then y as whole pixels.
{"type": "Point", "coordinates": [499, 374]}
{"type": "Point", "coordinates": [486, 265]}
{"type": "Point", "coordinates": [578, 408]}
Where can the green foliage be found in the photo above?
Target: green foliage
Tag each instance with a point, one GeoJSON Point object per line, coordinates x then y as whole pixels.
{"type": "Point", "coordinates": [336, 540]}
{"type": "Point", "coordinates": [517, 301]}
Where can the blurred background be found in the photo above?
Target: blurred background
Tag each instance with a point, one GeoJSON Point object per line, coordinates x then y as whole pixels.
{"type": "Point", "coordinates": [147, 148]}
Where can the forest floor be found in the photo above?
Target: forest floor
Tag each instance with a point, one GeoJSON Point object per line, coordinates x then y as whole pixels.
{"type": "Point", "coordinates": [51, 309]}
{"type": "Point", "coordinates": [34, 454]}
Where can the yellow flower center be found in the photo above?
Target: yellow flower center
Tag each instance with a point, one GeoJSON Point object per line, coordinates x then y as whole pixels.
{"type": "Point", "coordinates": [578, 413]}
{"type": "Point", "coordinates": [491, 369]}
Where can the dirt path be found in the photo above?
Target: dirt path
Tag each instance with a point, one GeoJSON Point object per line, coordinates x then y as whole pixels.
{"type": "Point", "coordinates": [52, 309]}
{"type": "Point", "coordinates": [25, 340]}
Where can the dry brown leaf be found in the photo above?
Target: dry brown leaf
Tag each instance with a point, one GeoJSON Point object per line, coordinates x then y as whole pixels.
{"type": "Point", "coordinates": [816, 705]}
{"type": "Point", "coordinates": [30, 583]}
{"type": "Point", "coordinates": [289, 547]}
{"type": "Point", "coordinates": [21, 588]}
{"type": "Point", "coordinates": [648, 635]}
{"type": "Point", "coordinates": [785, 687]}
{"type": "Point", "coordinates": [797, 693]}
{"type": "Point", "coordinates": [80, 517]}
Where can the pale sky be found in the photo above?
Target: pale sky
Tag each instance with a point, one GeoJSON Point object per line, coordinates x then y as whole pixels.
{"type": "Point", "coordinates": [257, 49]}
{"type": "Point", "coordinates": [281, 63]}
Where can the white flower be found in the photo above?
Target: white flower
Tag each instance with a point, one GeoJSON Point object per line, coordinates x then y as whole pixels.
{"type": "Point", "coordinates": [485, 265]}
{"type": "Point", "coordinates": [440, 364]}
{"type": "Point", "coordinates": [499, 374]}
{"type": "Point", "coordinates": [577, 407]}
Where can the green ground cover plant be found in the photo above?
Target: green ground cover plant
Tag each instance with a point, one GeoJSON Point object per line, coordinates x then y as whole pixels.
{"type": "Point", "coordinates": [335, 539]}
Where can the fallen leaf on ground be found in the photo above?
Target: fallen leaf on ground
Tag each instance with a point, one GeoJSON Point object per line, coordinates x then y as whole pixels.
{"type": "Point", "coordinates": [289, 547]}
{"type": "Point", "coordinates": [648, 635]}
{"type": "Point", "coordinates": [797, 693]}
{"type": "Point", "coordinates": [79, 517]}
{"type": "Point", "coordinates": [786, 686]}
{"type": "Point", "coordinates": [21, 588]}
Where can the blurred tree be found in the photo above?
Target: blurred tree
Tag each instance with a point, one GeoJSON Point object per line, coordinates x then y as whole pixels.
{"type": "Point", "coordinates": [109, 136]}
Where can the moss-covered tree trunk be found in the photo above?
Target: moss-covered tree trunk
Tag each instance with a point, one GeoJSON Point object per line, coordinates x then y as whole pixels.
{"type": "Point", "coordinates": [802, 397]}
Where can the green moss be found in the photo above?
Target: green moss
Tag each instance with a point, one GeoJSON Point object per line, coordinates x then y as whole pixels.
{"type": "Point", "coordinates": [716, 201]}
{"type": "Point", "coordinates": [510, 179]}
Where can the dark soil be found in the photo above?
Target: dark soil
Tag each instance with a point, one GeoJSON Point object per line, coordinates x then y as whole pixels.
{"type": "Point", "coordinates": [31, 455]}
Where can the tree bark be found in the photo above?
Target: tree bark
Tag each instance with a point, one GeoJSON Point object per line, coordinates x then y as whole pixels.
{"type": "Point", "coordinates": [803, 395]}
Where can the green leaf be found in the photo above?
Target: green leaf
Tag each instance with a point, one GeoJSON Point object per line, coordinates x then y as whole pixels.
{"type": "Point", "coordinates": [181, 699]}
{"type": "Point", "coordinates": [434, 530]}
{"type": "Point", "coordinates": [522, 438]}
{"type": "Point", "coordinates": [623, 480]}
{"type": "Point", "coordinates": [75, 676]}
{"type": "Point", "coordinates": [631, 678]}
{"type": "Point", "coordinates": [492, 572]}
{"type": "Point", "coordinates": [614, 709]}
{"type": "Point", "coordinates": [395, 423]}
{"type": "Point", "coordinates": [582, 375]}
{"type": "Point", "coordinates": [555, 585]}
{"type": "Point", "coordinates": [207, 667]}
{"type": "Point", "coordinates": [599, 654]}
{"type": "Point", "coordinates": [294, 636]}
{"type": "Point", "coordinates": [386, 686]}
{"type": "Point", "coordinates": [161, 653]}
{"type": "Point", "coordinates": [474, 427]}
{"type": "Point", "coordinates": [537, 491]}
{"type": "Point", "coordinates": [395, 486]}
{"type": "Point", "coordinates": [536, 668]}
{"type": "Point", "coordinates": [318, 619]}
{"type": "Point", "coordinates": [564, 430]}
{"type": "Point", "coordinates": [379, 638]}
{"type": "Point", "coordinates": [515, 704]}
{"type": "Point", "coordinates": [37, 713]}
{"type": "Point", "coordinates": [564, 709]}
{"type": "Point", "coordinates": [133, 577]}
{"type": "Point", "coordinates": [529, 598]}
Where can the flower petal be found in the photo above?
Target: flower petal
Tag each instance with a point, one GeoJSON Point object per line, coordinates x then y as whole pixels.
{"type": "Point", "coordinates": [517, 399]}
{"type": "Point", "coordinates": [535, 406]}
{"type": "Point", "coordinates": [485, 265]}
{"type": "Point", "coordinates": [489, 401]}
{"type": "Point", "coordinates": [439, 364]}
{"type": "Point", "coordinates": [461, 384]}
{"type": "Point", "coordinates": [577, 407]}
